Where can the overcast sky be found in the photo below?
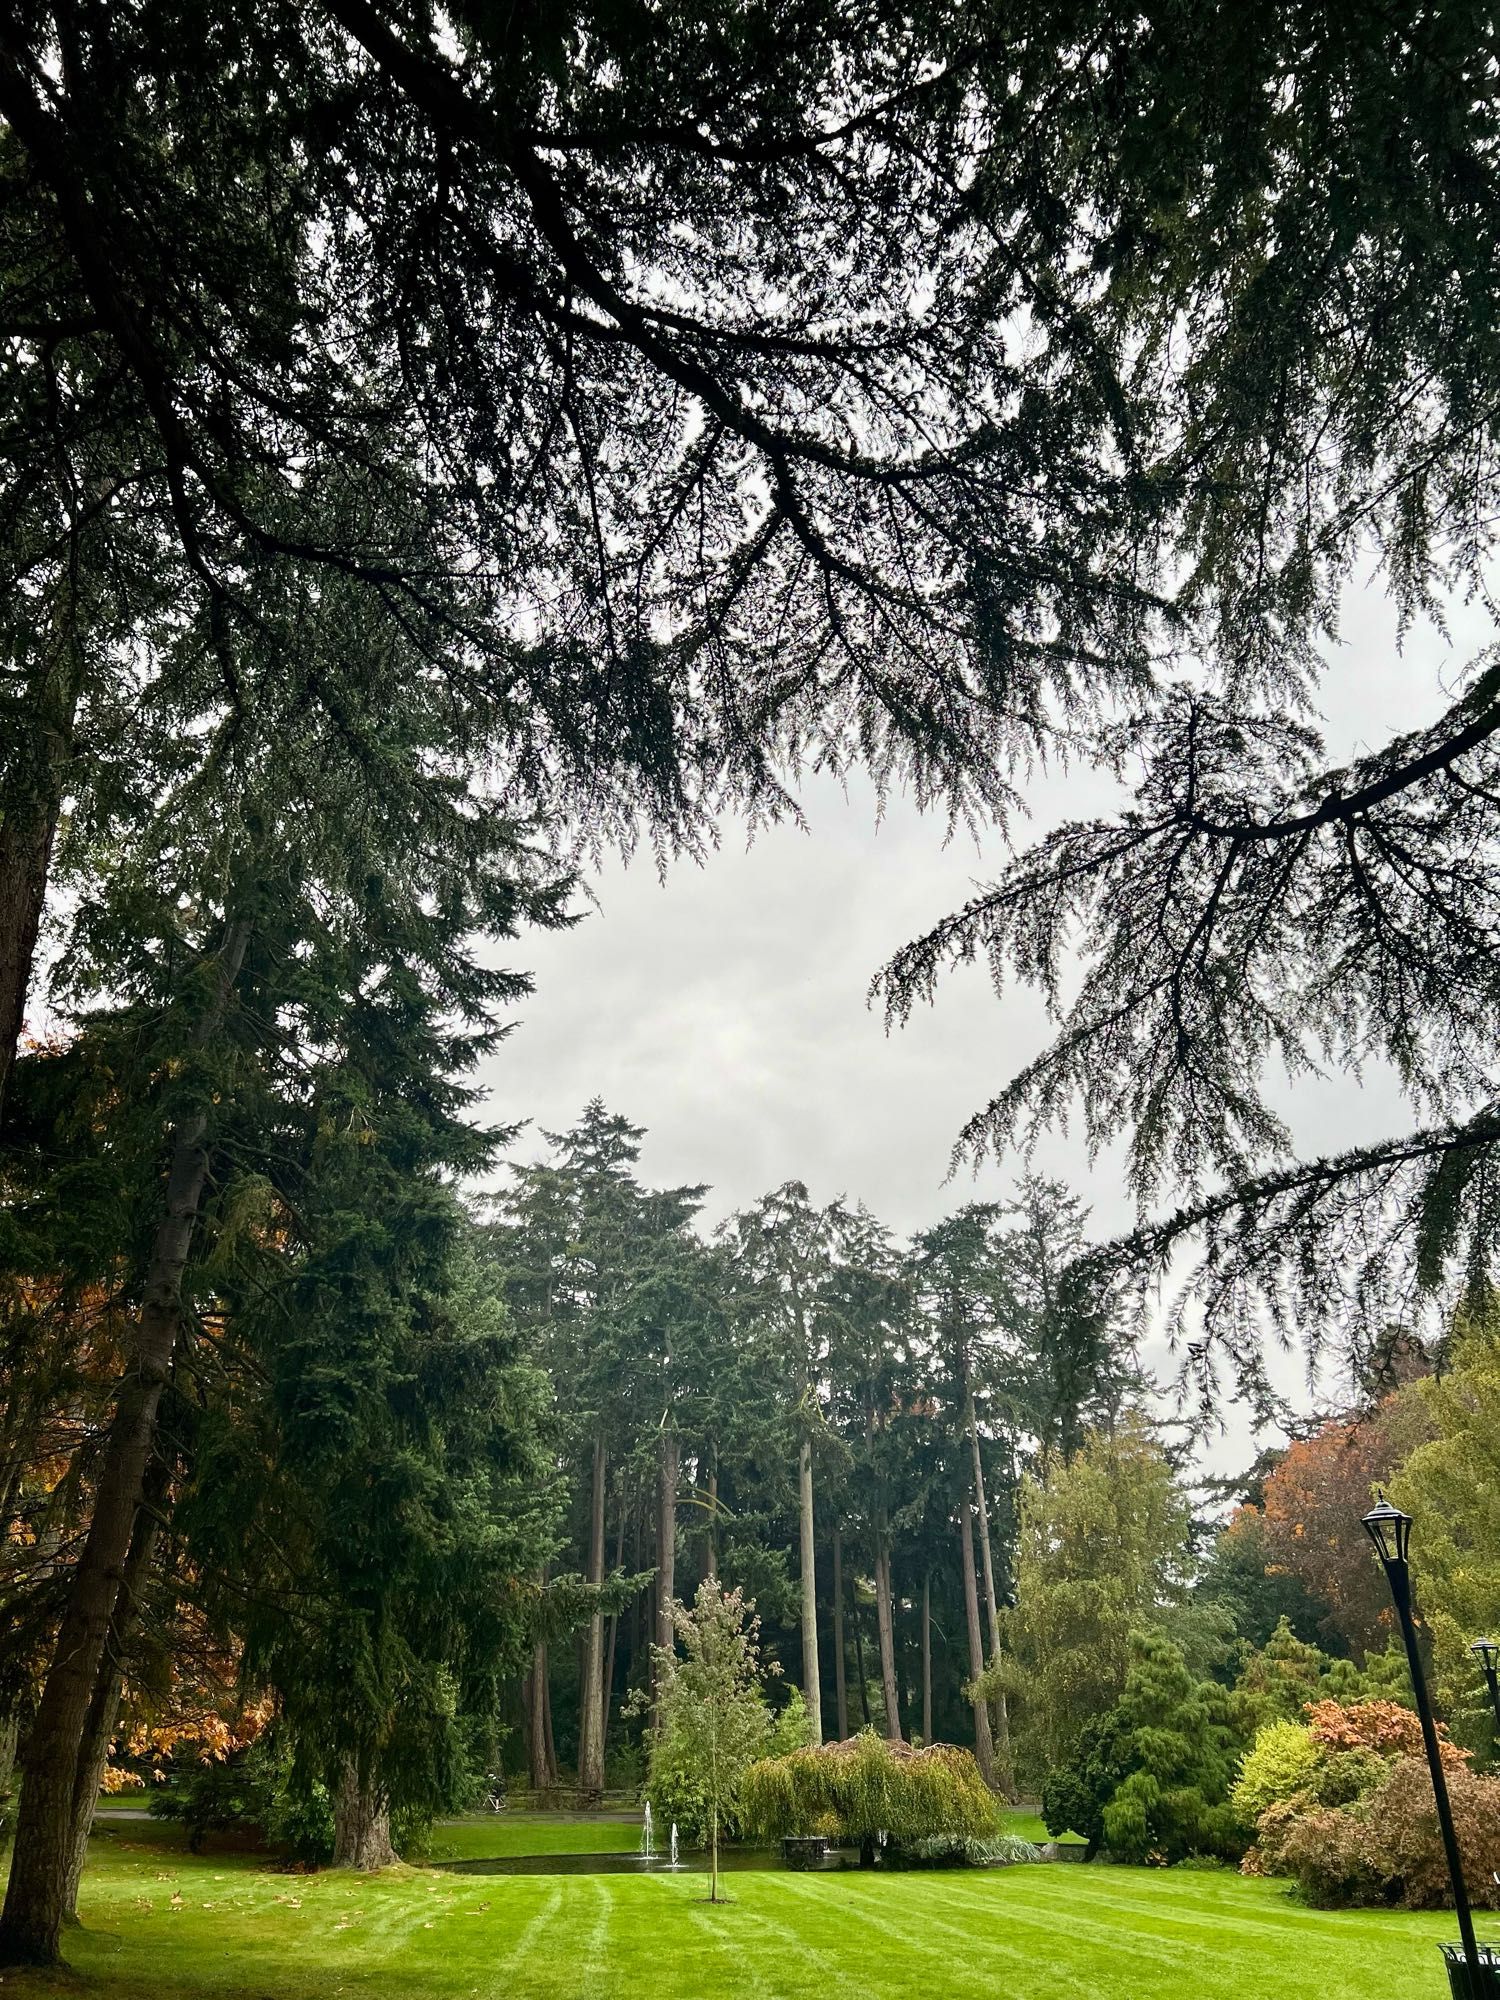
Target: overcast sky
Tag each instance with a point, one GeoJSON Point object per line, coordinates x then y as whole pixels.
{"type": "Point", "coordinates": [725, 1008]}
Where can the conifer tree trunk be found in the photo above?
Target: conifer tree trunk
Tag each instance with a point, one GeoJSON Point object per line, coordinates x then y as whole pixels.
{"type": "Point", "coordinates": [885, 1626]}
{"type": "Point", "coordinates": [840, 1668]}
{"type": "Point", "coordinates": [859, 1663]}
{"type": "Point", "coordinates": [614, 1626]}
{"type": "Point", "coordinates": [982, 1521]}
{"type": "Point", "coordinates": [982, 1512]}
{"type": "Point", "coordinates": [361, 1823]}
{"type": "Point", "coordinates": [591, 1688]}
{"type": "Point", "coordinates": [104, 1708]}
{"type": "Point", "coordinates": [812, 1690]}
{"type": "Point", "coordinates": [666, 1537]}
{"type": "Point", "coordinates": [36, 1897]}
{"type": "Point", "coordinates": [984, 1748]}
{"type": "Point", "coordinates": [9, 1732]}
{"type": "Point", "coordinates": [927, 1656]}
{"type": "Point", "coordinates": [541, 1765]}
{"type": "Point", "coordinates": [549, 1740]}
{"type": "Point", "coordinates": [711, 1552]}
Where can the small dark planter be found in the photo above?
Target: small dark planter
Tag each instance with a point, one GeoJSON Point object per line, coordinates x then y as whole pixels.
{"type": "Point", "coordinates": [809, 1850]}
{"type": "Point", "coordinates": [1460, 1986]}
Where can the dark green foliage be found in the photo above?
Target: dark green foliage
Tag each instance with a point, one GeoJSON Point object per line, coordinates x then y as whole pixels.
{"type": "Point", "coordinates": [258, 1791]}
{"type": "Point", "coordinates": [1151, 1779]}
{"type": "Point", "coordinates": [1260, 1597]}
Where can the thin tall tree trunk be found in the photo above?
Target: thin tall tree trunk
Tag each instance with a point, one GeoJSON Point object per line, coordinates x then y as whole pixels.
{"type": "Point", "coordinates": [984, 1748]}
{"type": "Point", "coordinates": [666, 1537]}
{"type": "Point", "coordinates": [35, 1898]}
{"type": "Point", "coordinates": [859, 1661]}
{"type": "Point", "coordinates": [982, 1522]}
{"type": "Point", "coordinates": [812, 1688]}
{"type": "Point", "coordinates": [885, 1626]}
{"type": "Point", "coordinates": [104, 1709]}
{"type": "Point", "coordinates": [614, 1627]}
{"type": "Point", "coordinates": [840, 1669]}
{"type": "Point", "coordinates": [361, 1823]}
{"type": "Point", "coordinates": [927, 1656]}
{"type": "Point", "coordinates": [991, 1598]}
{"type": "Point", "coordinates": [591, 1691]}
{"type": "Point", "coordinates": [711, 1553]}
{"type": "Point", "coordinates": [549, 1739]}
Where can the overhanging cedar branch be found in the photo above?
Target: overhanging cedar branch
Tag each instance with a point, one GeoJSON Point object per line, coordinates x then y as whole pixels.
{"type": "Point", "coordinates": [433, 89]}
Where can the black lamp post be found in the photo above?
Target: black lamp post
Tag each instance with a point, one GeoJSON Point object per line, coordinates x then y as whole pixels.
{"type": "Point", "coordinates": [1390, 1530]}
{"type": "Point", "coordinates": [1487, 1652]}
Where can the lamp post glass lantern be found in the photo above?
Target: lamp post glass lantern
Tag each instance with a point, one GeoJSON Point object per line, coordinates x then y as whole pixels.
{"type": "Point", "coordinates": [1470, 1976]}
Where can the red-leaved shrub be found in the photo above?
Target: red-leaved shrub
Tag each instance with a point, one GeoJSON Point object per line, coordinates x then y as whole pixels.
{"type": "Point", "coordinates": [1386, 1848]}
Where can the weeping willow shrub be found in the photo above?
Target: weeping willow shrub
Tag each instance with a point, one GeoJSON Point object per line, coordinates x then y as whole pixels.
{"type": "Point", "coordinates": [856, 1790]}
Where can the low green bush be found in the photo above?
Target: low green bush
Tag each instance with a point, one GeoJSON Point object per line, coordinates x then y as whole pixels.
{"type": "Point", "coordinates": [255, 1791]}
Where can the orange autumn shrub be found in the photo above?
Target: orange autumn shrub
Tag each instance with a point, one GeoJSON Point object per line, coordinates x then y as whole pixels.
{"type": "Point", "coordinates": [1382, 1726]}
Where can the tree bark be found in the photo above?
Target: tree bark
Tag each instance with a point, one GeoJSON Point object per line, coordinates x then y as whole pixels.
{"type": "Point", "coordinates": [104, 1708]}
{"type": "Point", "coordinates": [984, 1748]}
{"type": "Point", "coordinates": [812, 1689]}
{"type": "Point", "coordinates": [9, 1731]}
{"type": "Point", "coordinates": [361, 1823]}
{"type": "Point", "coordinates": [614, 1626]}
{"type": "Point", "coordinates": [859, 1664]}
{"type": "Point", "coordinates": [711, 1553]}
{"type": "Point", "coordinates": [35, 1898]}
{"type": "Point", "coordinates": [539, 1762]}
{"type": "Point", "coordinates": [885, 1626]}
{"type": "Point", "coordinates": [591, 1690]}
{"type": "Point", "coordinates": [840, 1668]}
{"type": "Point", "coordinates": [549, 1740]}
{"type": "Point", "coordinates": [666, 1538]}
{"type": "Point", "coordinates": [982, 1515]}
{"type": "Point", "coordinates": [927, 1656]}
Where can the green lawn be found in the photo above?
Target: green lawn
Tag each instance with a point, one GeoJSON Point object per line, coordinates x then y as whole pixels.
{"type": "Point", "coordinates": [161, 1925]}
{"type": "Point", "coordinates": [507, 1833]}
